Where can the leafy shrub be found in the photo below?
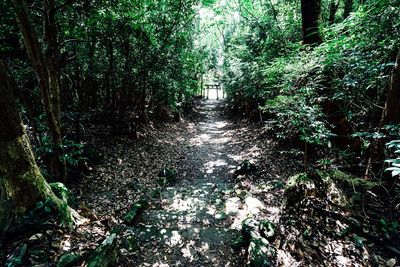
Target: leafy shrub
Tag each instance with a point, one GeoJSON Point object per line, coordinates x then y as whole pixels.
{"type": "Point", "coordinates": [394, 163]}
{"type": "Point", "coordinates": [73, 152]}
{"type": "Point", "coordinates": [41, 211]}
{"type": "Point", "coordinates": [350, 68]}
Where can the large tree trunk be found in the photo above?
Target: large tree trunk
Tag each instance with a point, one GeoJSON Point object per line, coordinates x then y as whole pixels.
{"type": "Point", "coordinates": [310, 12]}
{"type": "Point", "coordinates": [391, 112]}
{"type": "Point", "coordinates": [21, 183]}
{"type": "Point", "coordinates": [47, 72]}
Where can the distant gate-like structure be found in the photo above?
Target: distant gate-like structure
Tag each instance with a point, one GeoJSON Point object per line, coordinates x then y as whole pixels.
{"type": "Point", "coordinates": [217, 87]}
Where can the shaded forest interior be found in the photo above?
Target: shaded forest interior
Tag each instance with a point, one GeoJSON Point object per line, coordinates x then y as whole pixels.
{"type": "Point", "coordinates": [112, 153]}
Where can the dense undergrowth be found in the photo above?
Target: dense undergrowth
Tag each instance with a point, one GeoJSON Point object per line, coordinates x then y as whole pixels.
{"type": "Point", "coordinates": [329, 101]}
{"type": "Point", "coordinates": [331, 95]}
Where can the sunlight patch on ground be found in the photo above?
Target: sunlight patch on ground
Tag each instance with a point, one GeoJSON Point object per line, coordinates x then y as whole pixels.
{"type": "Point", "coordinates": [188, 251]}
{"type": "Point", "coordinates": [213, 134]}
{"type": "Point", "coordinates": [212, 165]}
{"type": "Point", "coordinates": [285, 259]}
{"type": "Point", "coordinates": [252, 153]}
{"type": "Point", "coordinates": [338, 249]}
{"type": "Point", "coordinates": [222, 140]}
{"type": "Point", "coordinates": [159, 265]}
{"type": "Point", "coordinates": [209, 139]}
{"type": "Point", "coordinates": [173, 239]}
{"type": "Point", "coordinates": [189, 204]}
{"type": "Point", "coordinates": [273, 212]}
{"type": "Point", "coordinates": [220, 124]}
{"type": "Point", "coordinates": [236, 157]}
{"type": "Point", "coordinates": [211, 210]}
{"type": "Point", "coordinates": [232, 205]}
{"type": "Point", "coordinates": [252, 206]}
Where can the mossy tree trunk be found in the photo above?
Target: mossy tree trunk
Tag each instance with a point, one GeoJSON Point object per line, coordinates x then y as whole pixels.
{"type": "Point", "coordinates": [21, 183]}
{"type": "Point", "coordinates": [47, 71]}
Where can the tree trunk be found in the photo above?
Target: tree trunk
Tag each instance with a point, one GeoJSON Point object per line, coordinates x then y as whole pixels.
{"type": "Point", "coordinates": [310, 12]}
{"type": "Point", "coordinates": [21, 183]}
{"type": "Point", "coordinates": [348, 7]}
{"type": "Point", "coordinates": [391, 112]}
{"type": "Point", "coordinates": [47, 72]}
{"type": "Point", "coordinates": [332, 11]}
{"type": "Point", "coordinates": [108, 76]}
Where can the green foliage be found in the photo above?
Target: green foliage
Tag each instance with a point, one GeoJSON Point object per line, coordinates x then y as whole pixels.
{"type": "Point", "coordinates": [296, 116]}
{"type": "Point", "coordinates": [42, 211]}
{"type": "Point", "coordinates": [17, 257]}
{"type": "Point", "coordinates": [167, 176]}
{"type": "Point", "coordinates": [267, 229]}
{"type": "Point", "coordinates": [359, 241]}
{"type": "Point", "coordinates": [63, 193]}
{"type": "Point", "coordinates": [131, 244]}
{"type": "Point", "coordinates": [68, 259]}
{"type": "Point", "coordinates": [135, 210]}
{"type": "Point", "coordinates": [389, 228]}
{"type": "Point", "coordinates": [292, 83]}
{"type": "Point", "coordinates": [73, 152]}
{"type": "Point", "coordinates": [394, 163]}
{"type": "Point", "coordinates": [238, 243]}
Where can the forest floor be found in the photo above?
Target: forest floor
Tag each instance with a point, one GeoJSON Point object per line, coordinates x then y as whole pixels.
{"type": "Point", "coordinates": [193, 221]}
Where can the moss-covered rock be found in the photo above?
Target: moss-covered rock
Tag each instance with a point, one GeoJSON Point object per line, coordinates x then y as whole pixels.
{"type": "Point", "coordinates": [348, 180]}
{"type": "Point", "coordinates": [246, 167]}
{"type": "Point", "coordinates": [105, 254]}
{"type": "Point", "coordinates": [261, 253]}
{"type": "Point", "coordinates": [18, 257]}
{"type": "Point", "coordinates": [302, 185]}
{"type": "Point", "coordinates": [68, 260]}
{"type": "Point", "coordinates": [301, 178]}
{"type": "Point", "coordinates": [135, 210]}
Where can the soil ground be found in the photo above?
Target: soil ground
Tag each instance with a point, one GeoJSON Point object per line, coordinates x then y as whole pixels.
{"type": "Point", "coordinates": [194, 221]}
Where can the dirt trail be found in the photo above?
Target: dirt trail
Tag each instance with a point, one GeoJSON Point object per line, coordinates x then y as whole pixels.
{"type": "Point", "coordinates": [198, 219]}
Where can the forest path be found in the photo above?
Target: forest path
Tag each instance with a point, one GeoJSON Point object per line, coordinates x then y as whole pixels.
{"type": "Point", "coordinates": [195, 220]}
{"type": "Point", "coordinates": [198, 218]}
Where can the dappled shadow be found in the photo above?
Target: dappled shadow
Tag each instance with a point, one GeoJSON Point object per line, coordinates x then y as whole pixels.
{"type": "Point", "coordinates": [193, 222]}
{"type": "Point", "coordinates": [198, 218]}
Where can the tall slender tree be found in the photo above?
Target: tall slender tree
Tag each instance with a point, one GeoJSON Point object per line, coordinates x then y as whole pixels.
{"type": "Point", "coordinates": [311, 12]}
{"type": "Point", "coordinates": [21, 183]}
{"type": "Point", "coordinates": [333, 6]}
{"type": "Point", "coordinates": [391, 112]}
{"type": "Point", "coordinates": [348, 7]}
{"type": "Point", "coordinates": [47, 71]}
